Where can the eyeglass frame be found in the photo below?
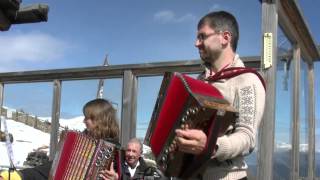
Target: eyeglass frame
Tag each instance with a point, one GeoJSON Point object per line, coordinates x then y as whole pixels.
{"type": "Point", "coordinates": [202, 37]}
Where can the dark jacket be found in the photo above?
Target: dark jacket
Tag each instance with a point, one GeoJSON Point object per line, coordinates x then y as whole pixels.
{"type": "Point", "coordinates": [37, 173]}
{"type": "Point", "coordinates": [138, 175]}
{"type": "Point", "coordinates": [143, 172]}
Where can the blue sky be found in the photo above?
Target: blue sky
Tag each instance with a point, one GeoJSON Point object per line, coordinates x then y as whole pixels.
{"type": "Point", "coordinates": [80, 33]}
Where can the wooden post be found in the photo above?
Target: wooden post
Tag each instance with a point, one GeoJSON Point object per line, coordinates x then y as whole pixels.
{"type": "Point", "coordinates": [266, 132]}
{"type": "Point", "coordinates": [55, 118]}
{"type": "Point", "coordinates": [295, 113]}
{"type": "Point", "coordinates": [129, 107]}
{"type": "Point", "coordinates": [35, 125]}
{"type": "Point", "coordinates": [1, 101]}
{"type": "Point", "coordinates": [311, 120]}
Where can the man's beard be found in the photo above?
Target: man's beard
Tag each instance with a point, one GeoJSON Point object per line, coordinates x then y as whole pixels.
{"type": "Point", "coordinates": [210, 56]}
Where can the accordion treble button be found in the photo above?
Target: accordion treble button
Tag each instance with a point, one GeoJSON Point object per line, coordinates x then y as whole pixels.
{"type": "Point", "coordinates": [107, 156]}
{"type": "Point", "coordinates": [164, 166]}
{"type": "Point", "coordinates": [166, 151]}
{"type": "Point", "coordinates": [183, 119]}
{"type": "Point", "coordinates": [163, 158]}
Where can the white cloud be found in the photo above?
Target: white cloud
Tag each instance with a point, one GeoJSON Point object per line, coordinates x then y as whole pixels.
{"type": "Point", "coordinates": [215, 7]}
{"type": "Point", "coordinates": [168, 16]}
{"type": "Point", "coordinates": [219, 7]}
{"type": "Point", "coordinates": [30, 47]}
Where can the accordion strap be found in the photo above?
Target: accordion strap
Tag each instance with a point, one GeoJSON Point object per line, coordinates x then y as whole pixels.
{"type": "Point", "coordinates": [231, 72]}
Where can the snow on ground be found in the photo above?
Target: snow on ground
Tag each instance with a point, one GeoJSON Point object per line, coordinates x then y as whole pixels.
{"type": "Point", "coordinates": [73, 124]}
{"type": "Point", "coordinates": [27, 139]}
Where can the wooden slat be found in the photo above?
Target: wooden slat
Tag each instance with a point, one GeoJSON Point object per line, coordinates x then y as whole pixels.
{"type": "Point", "coordinates": [311, 122]}
{"type": "Point", "coordinates": [267, 127]}
{"type": "Point", "coordinates": [111, 71]}
{"type": "Point", "coordinates": [55, 118]}
{"type": "Point", "coordinates": [295, 106]}
{"type": "Point", "coordinates": [1, 101]}
{"type": "Point", "coordinates": [129, 107]}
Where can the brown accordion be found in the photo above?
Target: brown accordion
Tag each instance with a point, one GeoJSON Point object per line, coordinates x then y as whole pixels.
{"type": "Point", "coordinates": [81, 157]}
{"type": "Point", "coordinates": [184, 102]}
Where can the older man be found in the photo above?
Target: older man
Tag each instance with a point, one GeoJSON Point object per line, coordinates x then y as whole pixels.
{"type": "Point", "coordinates": [134, 165]}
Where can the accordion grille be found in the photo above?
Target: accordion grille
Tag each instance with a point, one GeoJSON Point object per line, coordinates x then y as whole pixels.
{"type": "Point", "coordinates": [80, 158]}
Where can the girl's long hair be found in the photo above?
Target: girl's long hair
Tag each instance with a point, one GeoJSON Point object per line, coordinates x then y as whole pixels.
{"type": "Point", "coordinates": [102, 113]}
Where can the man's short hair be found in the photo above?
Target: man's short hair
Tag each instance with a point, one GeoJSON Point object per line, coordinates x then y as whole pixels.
{"type": "Point", "coordinates": [222, 21]}
{"type": "Point", "coordinates": [136, 141]}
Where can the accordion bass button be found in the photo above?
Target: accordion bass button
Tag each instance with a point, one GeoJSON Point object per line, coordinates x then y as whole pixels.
{"type": "Point", "coordinates": [98, 163]}
{"type": "Point", "coordinates": [102, 150]}
{"type": "Point", "coordinates": [107, 156]}
{"type": "Point", "coordinates": [109, 149]}
{"type": "Point", "coordinates": [99, 156]}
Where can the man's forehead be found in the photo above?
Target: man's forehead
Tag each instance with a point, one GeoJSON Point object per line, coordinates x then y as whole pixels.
{"type": "Point", "coordinates": [205, 28]}
{"type": "Point", "coordinates": [133, 145]}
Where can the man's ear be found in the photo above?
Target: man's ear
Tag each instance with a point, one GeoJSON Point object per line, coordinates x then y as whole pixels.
{"type": "Point", "coordinates": [226, 36]}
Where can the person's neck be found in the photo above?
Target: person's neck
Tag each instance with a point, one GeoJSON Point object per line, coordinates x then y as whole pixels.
{"type": "Point", "coordinates": [224, 60]}
{"type": "Point", "coordinates": [133, 165]}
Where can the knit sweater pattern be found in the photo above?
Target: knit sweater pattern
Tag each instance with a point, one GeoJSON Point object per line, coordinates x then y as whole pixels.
{"type": "Point", "coordinates": [247, 94]}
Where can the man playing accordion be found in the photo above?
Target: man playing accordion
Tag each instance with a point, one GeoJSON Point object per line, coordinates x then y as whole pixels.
{"type": "Point", "coordinates": [217, 39]}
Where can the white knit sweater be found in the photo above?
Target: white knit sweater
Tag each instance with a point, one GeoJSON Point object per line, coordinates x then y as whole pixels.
{"type": "Point", "coordinates": [247, 94]}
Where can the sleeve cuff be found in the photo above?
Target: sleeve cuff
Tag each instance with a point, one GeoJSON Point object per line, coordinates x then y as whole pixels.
{"type": "Point", "coordinates": [222, 150]}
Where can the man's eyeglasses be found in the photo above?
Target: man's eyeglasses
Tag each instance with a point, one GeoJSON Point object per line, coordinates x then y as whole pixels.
{"type": "Point", "coordinates": [201, 37]}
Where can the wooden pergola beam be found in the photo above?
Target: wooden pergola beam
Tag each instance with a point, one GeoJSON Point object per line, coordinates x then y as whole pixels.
{"type": "Point", "coordinates": [111, 71]}
{"type": "Point", "coordinates": [295, 27]}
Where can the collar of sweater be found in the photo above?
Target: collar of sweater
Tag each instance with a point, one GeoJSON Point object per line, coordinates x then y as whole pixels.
{"type": "Point", "coordinates": [237, 62]}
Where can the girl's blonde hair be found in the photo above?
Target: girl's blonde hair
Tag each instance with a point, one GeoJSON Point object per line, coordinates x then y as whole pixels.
{"type": "Point", "coordinates": [102, 113]}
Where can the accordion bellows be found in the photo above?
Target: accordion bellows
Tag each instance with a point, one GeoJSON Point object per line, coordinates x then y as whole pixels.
{"type": "Point", "coordinates": [184, 102]}
{"type": "Point", "coordinates": [81, 157]}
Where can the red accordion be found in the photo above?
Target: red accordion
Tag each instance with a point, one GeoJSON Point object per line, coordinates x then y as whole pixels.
{"type": "Point", "coordinates": [81, 157]}
{"type": "Point", "coordinates": [185, 102]}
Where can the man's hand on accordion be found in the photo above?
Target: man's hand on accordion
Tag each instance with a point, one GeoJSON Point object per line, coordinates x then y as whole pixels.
{"type": "Point", "coordinates": [191, 140]}
{"type": "Point", "coordinates": [109, 174]}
